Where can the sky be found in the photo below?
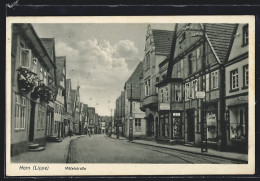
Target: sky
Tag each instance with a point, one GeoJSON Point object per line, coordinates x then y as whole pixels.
{"type": "Point", "coordinates": [100, 57]}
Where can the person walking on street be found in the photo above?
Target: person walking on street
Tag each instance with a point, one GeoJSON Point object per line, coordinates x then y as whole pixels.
{"type": "Point", "coordinates": [70, 132]}
{"type": "Point", "coordinates": [89, 132]}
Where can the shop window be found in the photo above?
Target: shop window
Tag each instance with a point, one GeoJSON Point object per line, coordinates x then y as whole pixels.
{"type": "Point", "coordinates": [176, 127]}
{"type": "Point", "coordinates": [245, 75]}
{"type": "Point", "coordinates": [177, 91]}
{"type": "Point", "coordinates": [25, 57]}
{"type": "Point", "coordinates": [137, 124]}
{"type": "Point", "coordinates": [245, 35]}
{"type": "Point", "coordinates": [214, 79]}
{"type": "Point", "coordinates": [211, 126]}
{"type": "Point", "coordinates": [166, 125]}
{"type": "Point", "coordinates": [238, 123]}
{"type": "Point", "coordinates": [234, 80]}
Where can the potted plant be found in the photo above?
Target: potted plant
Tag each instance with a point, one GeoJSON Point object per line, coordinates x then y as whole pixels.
{"type": "Point", "coordinates": [27, 79]}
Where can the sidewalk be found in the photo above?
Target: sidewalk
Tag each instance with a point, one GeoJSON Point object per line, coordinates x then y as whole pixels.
{"type": "Point", "coordinates": [211, 152]}
{"type": "Point", "coordinates": [55, 152]}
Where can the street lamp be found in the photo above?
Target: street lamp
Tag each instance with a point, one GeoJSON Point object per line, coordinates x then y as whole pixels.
{"type": "Point", "coordinates": [201, 94]}
{"type": "Point", "coordinates": [131, 116]}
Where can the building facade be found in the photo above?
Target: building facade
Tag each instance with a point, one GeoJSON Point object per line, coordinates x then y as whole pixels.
{"type": "Point", "coordinates": [199, 57]}
{"type": "Point", "coordinates": [60, 120]}
{"type": "Point", "coordinates": [32, 74]}
{"type": "Point", "coordinates": [236, 94]}
{"type": "Point", "coordinates": [157, 49]}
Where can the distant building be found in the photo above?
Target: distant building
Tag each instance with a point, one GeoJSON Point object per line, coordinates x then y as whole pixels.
{"type": "Point", "coordinates": [133, 97]}
{"type": "Point", "coordinates": [69, 104]}
{"type": "Point", "coordinates": [91, 119]}
{"type": "Point", "coordinates": [60, 123]}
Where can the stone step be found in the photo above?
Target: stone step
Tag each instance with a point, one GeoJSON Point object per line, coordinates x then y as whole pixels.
{"type": "Point", "coordinates": [37, 149]}
{"type": "Point", "coordinates": [34, 146]}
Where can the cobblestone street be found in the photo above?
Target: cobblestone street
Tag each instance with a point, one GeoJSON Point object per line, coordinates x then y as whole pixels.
{"type": "Point", "coordinates": [103, 149]}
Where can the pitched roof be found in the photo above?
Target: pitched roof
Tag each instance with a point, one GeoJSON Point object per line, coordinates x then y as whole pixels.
{"type": "Point", "coordinates": [60, 63]}
{"type": "Point", "coordinates": [134, 79]}
{"type": "Point", "coordinates": [162, 41]}
{"type": "Point", "coordinates": [48, 43]}
{"type": "Point", "coordinates": [220, 38]}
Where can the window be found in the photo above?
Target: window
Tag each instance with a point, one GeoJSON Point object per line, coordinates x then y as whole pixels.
{"type": "Point", "coordinates": [198, 53]}
{"type": "Point", "coordinates": [234, 79]}
{"type": "Point", "coordinates": [147, 60]}
{"type": "Point", "coordinates": [161, 91]}
{"type": "Point", "coordinates": [214, 79]}
{"type": "Point", "coordinates": [147, 87]}
{"type": "Point", "coordinates": [207, 82]}
{"type": "Point", "coordinates": [45, 78]}
{"type": "Point", "coordinates": [167, 93]}
{"type": "Point", "coordinates": [245, 75]}
{"type": "Point", "coordinates": [245, 35]}
{"type": "Point", "coordinates": [34, 65]}
{"type": "Point", "coordinates": [41, 73]}
{"type": "Point", "coordinates": [20, 112]}
{"type": "Point", "coordinates": [190, 57]}
{"type": "Point", "coordinates": [187, 91]}
{"type": "Point", "coordinates": [133, 105]}
{"type": "Point", "coordinates": [194, 88]}
{"type": "Point", "coordinates": [25, 57]}
{"type": "Point", "coordinates": [177, 90]}
{"type": "Point", "coordinates": [40, 117]}
{"type": "Point", "coordinates": [138, 124]}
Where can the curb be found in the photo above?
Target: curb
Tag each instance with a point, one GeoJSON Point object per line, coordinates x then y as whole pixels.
{"type": "Point", "coordinates": [65, 159]}
{"type": "Point", "coordinates": [233, 159]}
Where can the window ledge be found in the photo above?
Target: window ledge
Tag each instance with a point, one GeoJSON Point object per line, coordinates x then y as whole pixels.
{"type": "Point", "coordinates": [234, 90]}
{"type": "Point", "coordinates": [19, 129]}
{"type": "Point", "coordinates": [245, 87]}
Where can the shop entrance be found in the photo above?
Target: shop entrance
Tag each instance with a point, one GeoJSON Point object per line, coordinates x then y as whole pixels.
{"type": "Point", "coordinates": [190, 126]}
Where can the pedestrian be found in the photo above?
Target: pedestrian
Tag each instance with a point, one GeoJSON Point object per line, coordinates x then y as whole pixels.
{"type": "Point", "coordinates": [70, 132]}
{"type": "Point", "coordinates": [89, 132]}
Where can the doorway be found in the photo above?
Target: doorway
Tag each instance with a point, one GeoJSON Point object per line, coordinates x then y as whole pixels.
{"type": "Point", "coordinates": [31, 127]}
{"type": "Point", "coordinates": [190, 126]}
{"type": "Point", "coordinates": [150, 125]}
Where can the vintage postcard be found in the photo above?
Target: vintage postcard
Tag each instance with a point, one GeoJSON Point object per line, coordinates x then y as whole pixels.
{"type": "Point", "coordinates": [147, 95]}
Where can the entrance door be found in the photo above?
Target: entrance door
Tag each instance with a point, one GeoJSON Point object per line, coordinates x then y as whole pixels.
{"type": "Point", "coordinates": [190, 126]}
{"type": "Point", "coordinates": [31, 128]}
{"type": "Point", "coordinates": [150, 125]}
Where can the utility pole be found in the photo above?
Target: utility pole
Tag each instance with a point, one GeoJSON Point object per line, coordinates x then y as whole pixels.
{"type": "Point", "coordinates": [202, 101]}
{"type": "Point", "coordinates": [131, 117]}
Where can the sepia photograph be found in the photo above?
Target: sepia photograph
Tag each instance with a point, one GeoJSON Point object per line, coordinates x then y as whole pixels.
{"type": "Point", "coordinates": [131, 93]}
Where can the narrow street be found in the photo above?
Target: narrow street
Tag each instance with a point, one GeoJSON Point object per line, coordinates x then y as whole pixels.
{"type": "Point", "coordinates": [103, 149]}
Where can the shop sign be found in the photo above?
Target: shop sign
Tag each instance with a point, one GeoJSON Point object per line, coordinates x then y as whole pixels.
{"type": "Point", "coordinates": [242, 98]}
{"type": "Point", "coordinates": [200, 94]}
{"type": "Point", "coordinates": [164, 106]}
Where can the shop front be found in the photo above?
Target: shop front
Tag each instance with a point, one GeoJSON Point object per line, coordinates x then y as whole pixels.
{"type": "Point", "coordinates": [237, 119]}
